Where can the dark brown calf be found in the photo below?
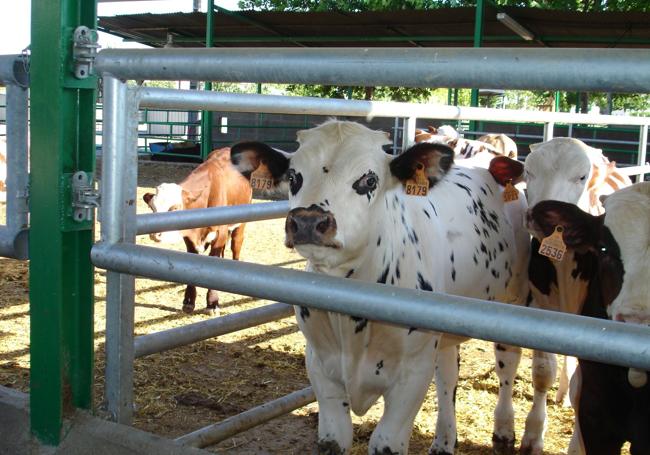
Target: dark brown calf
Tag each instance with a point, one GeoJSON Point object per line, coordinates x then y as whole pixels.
{"type": "Point", "coordinates": [215, 183]}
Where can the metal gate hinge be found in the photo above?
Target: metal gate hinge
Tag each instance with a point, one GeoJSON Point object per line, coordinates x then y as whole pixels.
{"type": "Point", "coordinates": [84, 51]}
{"type": "Point", "coordinates": [85, 198]}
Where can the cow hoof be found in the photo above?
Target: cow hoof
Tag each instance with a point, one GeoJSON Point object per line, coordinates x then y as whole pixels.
{"type": "Point", "coordinates": [433, 451]}
{"type": "Point", "coordinates": [328, 448]}
{"type": "Point", "coordinates": [211, 311]}
{"type": "Point", "coordinates": [188, 308]}
{"type": "Point", "coordinates": [502, 445]}
{"type": "Point", "coordinates": [531, 448]}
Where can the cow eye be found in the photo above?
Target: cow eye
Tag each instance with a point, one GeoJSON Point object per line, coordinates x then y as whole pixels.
{"type": "Point", "coordinates": [295, 181]}
{"type": "Point", "coordinates": [583, 178]}
{"type": "Point", "coordinates": [366, 184]}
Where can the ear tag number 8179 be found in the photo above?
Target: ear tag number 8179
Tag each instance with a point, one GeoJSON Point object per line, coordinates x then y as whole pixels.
{"type": "Point", "coordinates": [418, 186]}
{"type": "Point", "coordinates": [553, 246]}
{"type": "Point", "coordinates": [261, 178]}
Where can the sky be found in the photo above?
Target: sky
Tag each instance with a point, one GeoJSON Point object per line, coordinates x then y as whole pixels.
{"type": "Point", "coordinates": [15, 19]}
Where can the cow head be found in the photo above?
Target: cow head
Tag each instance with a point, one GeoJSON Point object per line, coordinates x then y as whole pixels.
{"type": "Point", "coordinates": [559, 170]}
{"type": "Point", "coordinates": [336, 178]}
{"type": "Point", "coordinates": [620, 243]}
{"type": "Point", "coordinates": [168, 197]}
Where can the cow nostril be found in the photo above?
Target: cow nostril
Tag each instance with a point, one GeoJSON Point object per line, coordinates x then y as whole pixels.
{"type": "Point", "coordinates": [323, 226]}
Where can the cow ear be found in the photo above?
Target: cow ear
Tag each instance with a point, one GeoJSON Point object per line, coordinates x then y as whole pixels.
{"type": "Point", "coordinates": [581, 230]}
{"type": "Point", "coordinates": [432, 129]}
{"type": "Point", "coordinates": [436, 159]}
{"type": "Point", "coordinates": [247, 157]}
{"type": "Point", "coordinates": [505, 169]}
{"type": "Point", "coordinates": [147, 198]}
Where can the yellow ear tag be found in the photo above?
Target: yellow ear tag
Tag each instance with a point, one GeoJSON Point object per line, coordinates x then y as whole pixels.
{"type": "Point", "coordinates": [510, 193]}
{"type": "Point", "coordinates": [553, 246]}
{"type": "Point", "coordinates": [261, 178]}
{"type": "Point", "coordinates": [420, 185]}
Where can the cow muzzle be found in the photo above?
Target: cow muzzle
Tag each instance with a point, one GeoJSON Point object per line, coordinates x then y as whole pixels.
{"type": "Point", "coordinates": [155, 236]}
{"type": "Point", "coordinates": [311, 226]}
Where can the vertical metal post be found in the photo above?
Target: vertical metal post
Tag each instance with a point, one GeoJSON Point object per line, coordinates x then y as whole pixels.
{"type": "Point", "coordinates": [478, 42]}
{"type": "Point", "coordinates": [548, 131]}
{"type": "Point", "coordinates": [206, 116]}
{"type": "Point", "coordinates": [557, 102]}
{"type": "Point", "coordinates": [643, 147]}
{"type": "Point", "coordinates": [119, 181]}
{"type": "Point", "coordinates": [18, 173]}
{"type": "Point", "coordinates": [61, 274]}
{"type": "Point", "coordinates": [408, 132]}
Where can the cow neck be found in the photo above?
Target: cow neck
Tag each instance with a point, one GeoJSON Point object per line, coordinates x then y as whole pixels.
{"type": "Point", "coordinates": [574, 275]}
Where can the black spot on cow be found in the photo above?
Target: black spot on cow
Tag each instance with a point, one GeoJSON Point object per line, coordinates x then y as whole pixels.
{"type": "Point", "coordinates": [462, 174]}
{"type": "Point", "coordinates": [423, 284]}
{"type": "Point", "coordinates": [380, 365]}
{"type": "Point", "coordinates": [486, 234]}
{"type": "Point", "coordinates": [419, 256]}
{"type": "Point", "coordinates": [379, 240]}
{"type": "Point", "coordinates": [495, 273]}
{"type": "Point", "coordinates": [501, 364]}
{"type": "Point", "coordinates": [500, 347]}
{"type": "Point", "coordinates": [460, 185]}
{"type": "Point", "coordinates": [477, 230]}
{"type": "Point", "coordinates": [384, 276]}
{"type": "Point", "coordinates": [453, 274]}
{"type": "Point", "coordinates": [475, 259]}
{"type": "Point", "coordinates": [487, 289]}
{"type": "Point", "coordinates": [304, 313]}
{"type": "Point", "coordinates": [541, 271]}
{"type": "Point", "coordinates": [360, 323]}
{"type": "Point", "coordinates": [325, 170]}
{"type": "Point", "coordinates": [434, 208]}
{"type": "Point", "coordinates": [487, 263]}
{"type": "Point", "coordinates": [451, 258]}
{"type": "Point", "coordinates": [398, 274]}
{"type": "Point", "coordinates": [349, 274]}
{"type": "Point", "coordinates": [327, 202]}
{"type": "Point", "coordinates": [412, 329]}
{"type": "Point", "coordinates": [385, 451]}
{"type": "Point", "coordinates": [500, 246]}
{"type": "Point", "coordinates": [483, 191]}
{"type": "Point", "coordinates": [426, 213]}
{"type": "Point", "coordinates": [346, 404]}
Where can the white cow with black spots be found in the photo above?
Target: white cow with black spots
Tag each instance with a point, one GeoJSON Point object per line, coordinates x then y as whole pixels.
{"type": "Point", "coordinates": [350, 217]}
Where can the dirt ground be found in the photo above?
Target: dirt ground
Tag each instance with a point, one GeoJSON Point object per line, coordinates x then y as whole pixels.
{"type": "Point", "coordinates": [187, 388]}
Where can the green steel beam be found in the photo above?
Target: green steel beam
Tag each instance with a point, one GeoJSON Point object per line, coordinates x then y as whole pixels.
{"type": "Point", "coordinates": [206, 116]}
{"type": "Point", "coordinates": [61, 274]}
{"type": "Point", "coordinates": [391, 39]}
{"type": "Point", "coordinates": [477, 42]}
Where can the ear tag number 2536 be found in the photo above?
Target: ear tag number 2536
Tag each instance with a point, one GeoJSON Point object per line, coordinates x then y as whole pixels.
{"type": "Point", "coordinates": [419, 186]}
{"type": "Point", "coordinates": [553, 246]}
{"type": "Point", "coordinates": [261, 178]}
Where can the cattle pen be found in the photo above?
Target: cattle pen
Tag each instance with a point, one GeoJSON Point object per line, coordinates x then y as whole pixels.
{"type": "Point", "coordinates": [61, 222]}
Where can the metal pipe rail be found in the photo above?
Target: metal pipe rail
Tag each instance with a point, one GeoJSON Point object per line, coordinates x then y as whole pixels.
{"type": "Point", "coordinates": [595, 339]}
{"type": "Point", "coordinates": [213, 434]}
{"type": "Point", "coordinates": [507, 68]}
{"type": "Point", "coordinates": [199, 331]}
{"type": "Point", "coordinates": [14, 236]}
{"type": "Point", "coordinates": [214, 216]}
{"type": "Point", "coordinates": [160, 98]}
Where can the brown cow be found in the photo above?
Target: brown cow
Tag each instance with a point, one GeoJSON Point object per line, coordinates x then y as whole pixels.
{"type": "Point", "coordinates": [502, 143]}
{"type": "Point", "coordinates": [214, 183]}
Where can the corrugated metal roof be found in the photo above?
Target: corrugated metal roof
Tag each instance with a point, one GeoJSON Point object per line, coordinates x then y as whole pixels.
{"type": "Point", "coordinates": [443, 27]}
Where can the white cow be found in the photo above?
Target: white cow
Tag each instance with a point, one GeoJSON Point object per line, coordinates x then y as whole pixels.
{"type": "Point", "coordinates": [350, 217]}
{"type": "Point", "coordinates": [567, 170]}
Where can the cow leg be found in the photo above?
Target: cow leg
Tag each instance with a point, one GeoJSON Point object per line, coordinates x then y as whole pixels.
{"type": "Point", "coordinates": [446, 373]}
{"type": "Point", "coordinates": [576, 445]}
{"type": "Point", "coordinates": [503, 438]}
{"type": "Point", "coordinates": [217, 248]}
{"type": "Point", "coordinates": [189, 299]}
{"type": "Point", "coordinates": [402, 402]}
{"type": "Point", "coordinates": [566, 372]}
{"type": "Point", "coordinates": [334, 421]}
{"type": "Point", "coordinates": [544, 372]}
{"type": "Point", "coordinates": [237, 241]}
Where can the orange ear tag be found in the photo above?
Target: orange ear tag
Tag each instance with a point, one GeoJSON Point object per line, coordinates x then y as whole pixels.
{"type": "Point", "coordinates": [261, 178]}
{"type": "Point", "coordinates": [553, 246]}
{"type": "Point", "coordinates": [418, 186]}
{"type": "Point", "coordinates": [510, 193]}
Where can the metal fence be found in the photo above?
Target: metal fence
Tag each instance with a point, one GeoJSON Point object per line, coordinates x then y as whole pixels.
{"type": "Point", "coordinates": [594, 339]}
